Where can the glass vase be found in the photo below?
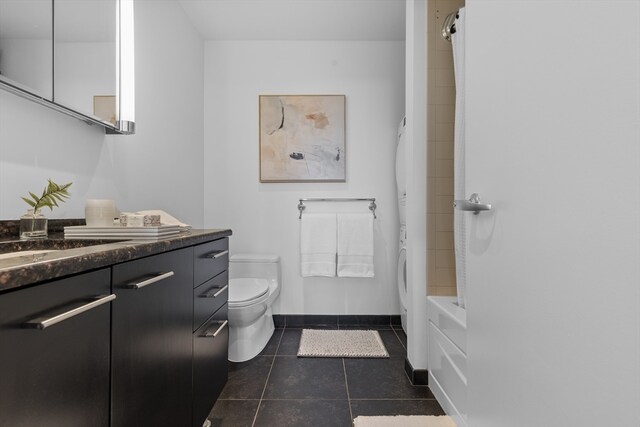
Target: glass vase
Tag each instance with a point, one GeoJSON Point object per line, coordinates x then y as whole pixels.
{"type": "Point", "coordinates": [33, 225]}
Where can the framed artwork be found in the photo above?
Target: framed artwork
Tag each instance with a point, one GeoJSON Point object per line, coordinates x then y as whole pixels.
{"type": "Point", "coordinates": [104, 107]}
{"type": "Point", "coordinates": [302, 138]}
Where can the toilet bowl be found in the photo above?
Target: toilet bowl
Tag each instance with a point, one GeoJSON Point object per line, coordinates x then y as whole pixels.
{"type": "Point", "coordinates": [254, 284]}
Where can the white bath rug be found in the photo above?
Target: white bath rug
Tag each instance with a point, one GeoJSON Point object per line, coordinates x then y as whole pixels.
{"type": "Point", "coordinates": [404, 421]}
{"type": "Point", "coordinates": [339, 343]}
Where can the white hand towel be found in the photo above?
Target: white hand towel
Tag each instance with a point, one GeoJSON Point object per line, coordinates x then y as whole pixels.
{"type": "Point", "coordinates": [355, 245]}
{"type": "Point", "coordinates": [318, 245]}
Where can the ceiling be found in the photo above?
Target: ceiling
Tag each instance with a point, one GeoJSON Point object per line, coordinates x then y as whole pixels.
{"type": "Point", "coordinates": [374, 20]}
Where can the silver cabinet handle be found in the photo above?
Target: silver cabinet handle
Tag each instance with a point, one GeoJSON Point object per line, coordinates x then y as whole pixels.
{"type": "Point", "coordinates": [144, 283]}
{"type": "Point", "coordinates": [217, 255]}
{"type": "Point", "coordinates": [43, 323]}
{"type": "Point", "coordinates": [215, 334]}
{"type": "Point", "coordinates": [210, 294]}
{"type": "Point", "coordinates": [472, 204]}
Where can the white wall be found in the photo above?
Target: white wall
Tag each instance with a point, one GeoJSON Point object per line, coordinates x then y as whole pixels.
{"type": "Point", "coordinates": [553, 142]}
{"type": "Point", "coordinates": [159, 167]}
{"type": "Point", "coordinates": [264, 217]}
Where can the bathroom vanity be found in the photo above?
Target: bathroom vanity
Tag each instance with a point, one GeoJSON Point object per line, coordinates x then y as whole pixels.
{"type": "Point", "coordinates": [114, 334]}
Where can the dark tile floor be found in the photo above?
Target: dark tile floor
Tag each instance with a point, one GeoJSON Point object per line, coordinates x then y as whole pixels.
{"type": "Point", "coordinates": [278, 389]}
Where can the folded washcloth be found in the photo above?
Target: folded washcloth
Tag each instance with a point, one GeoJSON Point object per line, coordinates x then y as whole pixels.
{"type": "Point", "coordinates": [318, 245]}
{"type": "Point", "coordinates": [355, 245]}
{"type": "Point", "coordinates": [166, 219]}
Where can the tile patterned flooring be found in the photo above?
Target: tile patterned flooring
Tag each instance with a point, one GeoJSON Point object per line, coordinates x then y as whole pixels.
{"type": "Point", "coordinates": [278, 389]}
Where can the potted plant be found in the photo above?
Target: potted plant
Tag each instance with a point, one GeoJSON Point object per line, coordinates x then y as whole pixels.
{"type": "Point", "coordinates": [33, 224]}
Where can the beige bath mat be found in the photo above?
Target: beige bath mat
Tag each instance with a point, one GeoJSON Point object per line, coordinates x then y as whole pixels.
{"type": "Point", "coordinates": [404, 421]}
{"type": "Point", "coordinates": [339, 343]}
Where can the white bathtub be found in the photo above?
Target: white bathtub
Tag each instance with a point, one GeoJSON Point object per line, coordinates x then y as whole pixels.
{"type": "Point", "coordinates": [448, 356]}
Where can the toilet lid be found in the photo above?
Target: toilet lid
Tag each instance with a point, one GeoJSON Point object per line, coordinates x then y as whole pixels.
{"type": "Point", "coordinates": [246, 289]}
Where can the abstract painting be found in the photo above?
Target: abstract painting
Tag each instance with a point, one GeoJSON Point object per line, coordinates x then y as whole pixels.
{"type": "Point", "coordinates": [302, 138]}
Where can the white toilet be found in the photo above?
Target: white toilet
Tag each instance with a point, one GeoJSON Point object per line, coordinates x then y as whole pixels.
{"type": "Point", "coordinates": [254, 284]}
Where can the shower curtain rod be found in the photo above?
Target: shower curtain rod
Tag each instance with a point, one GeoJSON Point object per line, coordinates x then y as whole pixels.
{"type": "Point", "coordinates": [449, 25]}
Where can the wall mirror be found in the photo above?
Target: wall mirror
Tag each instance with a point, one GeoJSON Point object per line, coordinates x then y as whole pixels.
{"type": "Point", "coordinates": [75, 56]}
{"type": "Point", "coordinates": [85, 57]}
{"type": "Point", "coordinates": [26, 54]}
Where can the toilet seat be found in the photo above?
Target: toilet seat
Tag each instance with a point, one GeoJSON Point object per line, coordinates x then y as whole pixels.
{"type": "Point", "coordinates": [247, 291]}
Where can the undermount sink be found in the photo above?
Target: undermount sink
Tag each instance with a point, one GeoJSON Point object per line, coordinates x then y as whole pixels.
{"type": "Point", "coordinates": [41, 247]}
{"type": "Point", "coordinates": [34, 254]}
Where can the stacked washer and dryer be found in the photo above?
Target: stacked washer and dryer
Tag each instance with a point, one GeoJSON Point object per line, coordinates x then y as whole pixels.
{"type": "Point", "coordinates": [401, 185]}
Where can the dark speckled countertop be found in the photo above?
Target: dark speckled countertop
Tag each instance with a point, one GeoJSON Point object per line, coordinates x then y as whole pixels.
{"type": "Point", "coordinates": [74, 256]}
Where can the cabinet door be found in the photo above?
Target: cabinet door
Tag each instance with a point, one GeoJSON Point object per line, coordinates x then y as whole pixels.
{"type": "Point", "coordinates": [152, 341]}
{"type": "Point", "coordinates": [57, 374]}
{"type": "Point", "coordinates": [210, 367]}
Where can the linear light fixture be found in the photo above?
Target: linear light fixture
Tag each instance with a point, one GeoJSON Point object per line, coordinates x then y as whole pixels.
{"type": "Point", "coordinates": [125, 68]}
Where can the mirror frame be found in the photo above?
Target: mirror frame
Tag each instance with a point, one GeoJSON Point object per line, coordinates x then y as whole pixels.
{"type": "Point", "coordinates": [125, 78]}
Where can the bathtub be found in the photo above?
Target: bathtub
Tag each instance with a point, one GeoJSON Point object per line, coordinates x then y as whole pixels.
{"type": "Point", "coordinates": [448, 356]}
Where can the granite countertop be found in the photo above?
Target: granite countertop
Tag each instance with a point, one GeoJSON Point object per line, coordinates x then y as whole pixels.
{"type": "Point", "coordinates": [74, 256]}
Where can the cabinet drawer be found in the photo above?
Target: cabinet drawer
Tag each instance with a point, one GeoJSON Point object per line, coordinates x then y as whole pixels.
{"type": "Point", "coordinates": [56, 374]}
{"type": "Point", "coordinates": [210, 259]}
{"type": "Point", "coordinates": [209, 297]}
{"type": "Point", "coordinates": [210, 369]}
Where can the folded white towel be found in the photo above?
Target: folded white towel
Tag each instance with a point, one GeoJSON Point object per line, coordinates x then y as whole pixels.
{"type": "Point", "coordinates": [355, 245]}
{"type": "Point", "coordinates": [318, 245]}
{"type": "Point", "coordinates": [166, 219]}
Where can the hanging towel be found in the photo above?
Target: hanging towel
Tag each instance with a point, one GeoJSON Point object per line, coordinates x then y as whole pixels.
{"type": "Point", "coordinates": [355, 245]}
{"type": "Point", "coordinates": [318, 245]}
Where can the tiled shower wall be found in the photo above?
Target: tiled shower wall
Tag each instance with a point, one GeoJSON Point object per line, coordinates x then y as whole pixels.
{"type": "Point", "coordinates": [440, 125]}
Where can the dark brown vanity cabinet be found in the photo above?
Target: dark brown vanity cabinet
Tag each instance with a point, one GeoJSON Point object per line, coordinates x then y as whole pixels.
{"type": "Point", "coordinates": [137, 343]}
{"type": "Point", "coordinates": [210, 325]}
{"type": "Point", "coordinates": [210, 366]}
{"type": "Point", "coordinates": [152, 348]}
{"type": "Point", "coordinates": [54, 353]}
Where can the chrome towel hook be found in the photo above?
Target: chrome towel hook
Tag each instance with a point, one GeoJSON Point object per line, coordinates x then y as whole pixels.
{"type": "Point", "coordinates": [449, 25]}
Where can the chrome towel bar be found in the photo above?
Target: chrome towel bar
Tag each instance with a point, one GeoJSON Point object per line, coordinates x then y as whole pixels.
{"type": "Point", "coordinates": [372, 203]}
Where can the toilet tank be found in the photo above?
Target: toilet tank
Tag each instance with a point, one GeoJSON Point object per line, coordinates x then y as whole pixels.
{"type": "Point", "coordinates": [266, 266]}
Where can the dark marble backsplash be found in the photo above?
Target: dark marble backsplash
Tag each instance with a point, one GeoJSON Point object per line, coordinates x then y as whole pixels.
{"type": "Point", "coordinates": [10, 229]}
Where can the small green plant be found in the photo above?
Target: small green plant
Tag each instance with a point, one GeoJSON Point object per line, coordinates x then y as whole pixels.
{"type": "Point", "coordinates": [51, 195]}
